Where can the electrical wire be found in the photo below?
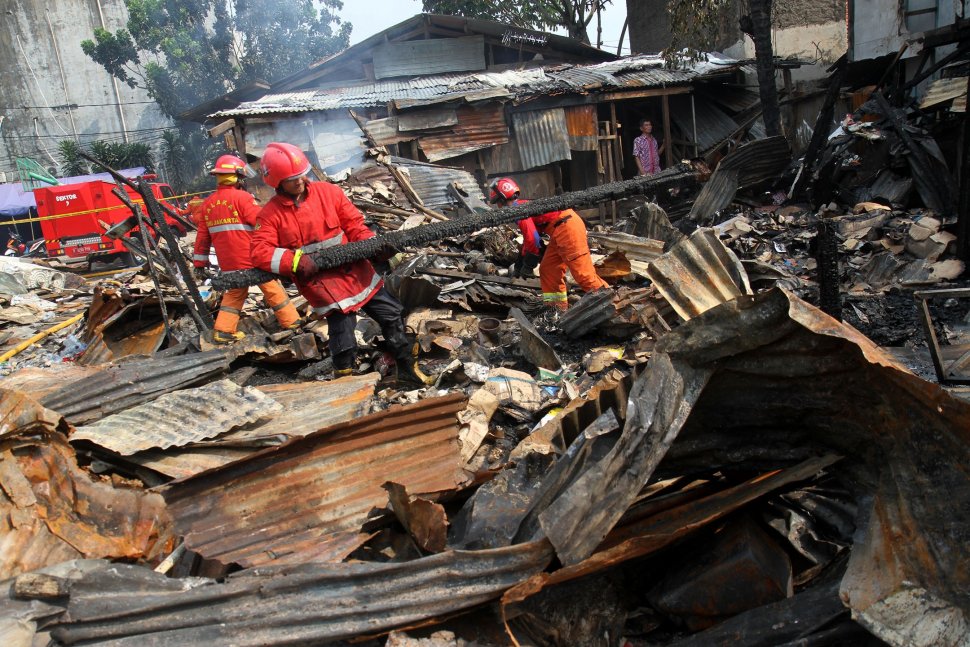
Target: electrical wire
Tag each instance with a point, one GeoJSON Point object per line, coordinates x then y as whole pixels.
{"type": "Point", "coordinates": [39, 88]}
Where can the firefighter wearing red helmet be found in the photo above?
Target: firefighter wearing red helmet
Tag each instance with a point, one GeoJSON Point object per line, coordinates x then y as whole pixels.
{"type": "Point", "coordinates": [307, 216]}
{"type": "Point", "coordinates": [225, 222]}
{"type": "Point", "coordinates": [567, 249]}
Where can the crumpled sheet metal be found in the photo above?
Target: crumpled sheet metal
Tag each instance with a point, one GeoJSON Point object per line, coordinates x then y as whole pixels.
{"type": "Point", "coordinates": [125, 385]}
{"type": "Point", "coordinates": [20, 413]}
{"type": "Point", "coordinates": [38, 382]}
{"type": "Point", "coordinates": [698, 273]}
{"type": "Point", "coordinates": [50, 510]}
{"type": "Point", "coordinates": [307, 407]}
{"type": "Point", "coordinates": [784, 382]}
{"type": "Point", "coordinates": [667, 526]}
{"type": "Point", "coordinates": [180, 418]}
{"type": "Point", "coordinates": [308, 604]}
{"type": "Point", "coordinates": [282, 500]}
{"type": "Point", "coordinates": [37, 276]}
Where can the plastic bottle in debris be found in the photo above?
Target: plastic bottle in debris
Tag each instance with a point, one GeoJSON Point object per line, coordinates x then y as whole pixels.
{"type": "Point", "coordinates": [71, 349]}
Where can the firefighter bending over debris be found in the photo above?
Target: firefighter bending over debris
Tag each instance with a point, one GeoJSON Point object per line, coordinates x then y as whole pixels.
{"type": "Point", "coordinates": [226, 220]}
{"type": "Point", "coordinates": [568, 247]}
{"type": "Point", "coordinates": [306, 216]}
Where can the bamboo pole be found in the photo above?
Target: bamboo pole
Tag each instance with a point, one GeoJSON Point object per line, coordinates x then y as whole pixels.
{"type": "Point", "coordinates": [36, 338]}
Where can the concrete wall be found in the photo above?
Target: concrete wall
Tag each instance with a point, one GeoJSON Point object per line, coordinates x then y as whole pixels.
{"type": "Point", "coordinates": [31, 79]}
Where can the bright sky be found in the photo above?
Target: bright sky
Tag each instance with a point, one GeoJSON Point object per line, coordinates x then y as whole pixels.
{"type": "Point", "coordinates": [371, 16]}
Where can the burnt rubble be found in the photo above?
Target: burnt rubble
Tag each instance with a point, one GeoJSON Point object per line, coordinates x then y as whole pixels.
{"type": "Point", "coordinates": [697, 455]}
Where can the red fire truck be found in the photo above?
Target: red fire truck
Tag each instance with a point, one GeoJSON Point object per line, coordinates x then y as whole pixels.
{"type": "Point", "coordinates": [73, 218]}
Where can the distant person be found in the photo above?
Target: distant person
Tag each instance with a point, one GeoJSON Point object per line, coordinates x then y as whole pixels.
{"type": "Point", "coordinates": [225, 221]}
{"type": "Point", "coordinates": [306, 216]}
{"type": "Point", "coordinates": [567, 248]}
{"type": "Point", "coordinates": [646, 151]}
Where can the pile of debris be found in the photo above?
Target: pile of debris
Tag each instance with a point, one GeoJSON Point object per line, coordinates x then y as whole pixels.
{"type": "Point", "coordinates": [695, 456]}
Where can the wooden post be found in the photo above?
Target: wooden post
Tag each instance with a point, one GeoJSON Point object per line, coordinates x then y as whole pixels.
{"type": "Point", "coordinates": [668, 145]}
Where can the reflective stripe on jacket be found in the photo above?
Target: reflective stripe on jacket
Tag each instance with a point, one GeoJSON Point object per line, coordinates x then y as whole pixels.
{"type": "Point", "coordinates": [225, 221]}
{"type": "Point", "coordinates": [324, 217]}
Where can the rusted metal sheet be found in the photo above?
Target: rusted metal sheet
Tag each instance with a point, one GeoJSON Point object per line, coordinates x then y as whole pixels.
{"type": "Point", "coordinates": [307, 407]}
{"type": "Point", "coordinates": [479, 126]}
{"type": "Point", "coordinates": [431, 181]}
{"type": "Point", "coordinates": [38, 382]}
{"type": "Point", "coordinates": [384, 132]}
{"type": "Point", "coordinates": [698, 273]}
{"type": "Point", "coordinates": [114, 330]}
{"type": "Point", "coordinates": [308, 604]}
{"type": "Point", "coordinates": [542, 137]}
{"type": "Point", "coordinates": [51, 511]}
{"type": "Point", "coordinates": [282, 499]}
{"type": "Point", "coordinates": [582, 128]}
{"type": "Point", "coordinates": [19, 413]}
{"type": "Point", "coordinates": [118, 387]}
{"type": "Point", "coordinates": [429, 118]}
{"type": "Point", "coordinates": [177, 419]}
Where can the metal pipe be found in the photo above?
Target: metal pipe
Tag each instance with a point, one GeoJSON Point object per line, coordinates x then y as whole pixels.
{"type": "Point", "coordinates": [114, 82]}
{"type": "Point", "coordinates": [60, 67]}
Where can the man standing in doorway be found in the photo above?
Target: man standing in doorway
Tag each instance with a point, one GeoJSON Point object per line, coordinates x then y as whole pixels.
{"type": "Point", "coordinates": [646, 150]}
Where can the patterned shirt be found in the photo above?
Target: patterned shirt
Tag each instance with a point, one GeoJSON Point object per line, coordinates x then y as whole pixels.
{"type": "Point", "coordinates": [645, 148]}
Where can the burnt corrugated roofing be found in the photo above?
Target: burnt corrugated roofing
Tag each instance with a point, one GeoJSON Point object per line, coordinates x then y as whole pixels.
{"type": "Point", "coordinates": [631, 72]}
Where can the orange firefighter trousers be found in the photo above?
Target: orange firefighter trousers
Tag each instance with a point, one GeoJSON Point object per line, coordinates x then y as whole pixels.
{"type": "Point", "coordinates": [567, 249]}
{"type": "Point", "coordinates": [232, 301]}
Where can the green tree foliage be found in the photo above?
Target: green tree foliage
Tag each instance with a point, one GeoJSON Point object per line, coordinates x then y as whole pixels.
{"type": "Point", "coordinates": [184, 52]}
{"type": "Point", "coordinates": [693, 29]}
{"type": "Point", "coordinates": [542, 15]}
{"type": "Point", "coordinates": [186, 153]}
{"type": "Point", "coordinates": [71, 161]}
{"type": "Point", "coordinates": [117, 155]}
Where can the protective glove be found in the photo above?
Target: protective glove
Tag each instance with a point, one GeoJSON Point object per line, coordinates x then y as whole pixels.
{"type": "Point", "coordinates": [200, 274]}
{"type": "Point", "coordinates": [306, 268]}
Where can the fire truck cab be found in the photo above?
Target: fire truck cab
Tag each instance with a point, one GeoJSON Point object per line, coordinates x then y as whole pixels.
{"type": "Point", "coordinates": [74, 217]}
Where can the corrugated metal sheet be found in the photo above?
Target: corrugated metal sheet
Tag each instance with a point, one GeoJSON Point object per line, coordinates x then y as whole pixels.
{"type": "Point", "coordinates": [698, 273]}
{"type": "Point", "coordinates": [118, 387]}
{"type": "Point", "coordinates": [19, 413]}
{"type": "Point", "coordinates": [542, 137]}
{"type": "Point", "coordinates": [713, 125]}
{"type": "Point", "coordinates": [944, 90]}
{"type": "Point", "coordinates": [177, 419]}
{"type": "Point", "coordinates": [429, 118]}
{"type": "Point", "coordinates": [312, 604]}
{"type": "Point", "coordinates": [282, 500]}
{"type": "Point", "coordinates": [582, 128]}
{"type": "Point", "coordinates": [634, 247]}
{"type": "Point", "coordinates": [51, 510]}
{"type": "Point", "coordinates": [433, 56]}
{"type": "Point", "coordinates": [629, 73]}
{"type": "Point", "coordinates": [431, 182]}
{"type": "Point", "coordinates": [593, 309]}
{"type": "Point", "coordinates": [38, 382]}
{"type": "Point", "coordinates": [307, 407]}
{"type": "Point", "coordinates": [479, 126]}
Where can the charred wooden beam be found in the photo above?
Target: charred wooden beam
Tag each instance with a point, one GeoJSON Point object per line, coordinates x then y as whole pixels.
{"type": "Point", "coordinates": [342, 254]}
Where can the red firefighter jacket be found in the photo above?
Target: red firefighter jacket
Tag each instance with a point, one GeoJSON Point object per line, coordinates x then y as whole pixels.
{"type": "Point", "coordinates": [225, 221]}
{"type": "Point", "coordinates": [323, 217]}
{"type": "Point", "coordinates": [531, 229]}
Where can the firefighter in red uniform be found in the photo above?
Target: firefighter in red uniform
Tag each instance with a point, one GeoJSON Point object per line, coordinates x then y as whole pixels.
{"type": "Point", "coordinates": [307, 216]}
{"type": "Point", "coordinates": [568, 247]}
{"type": "Point", "coordinates": [225, 221]}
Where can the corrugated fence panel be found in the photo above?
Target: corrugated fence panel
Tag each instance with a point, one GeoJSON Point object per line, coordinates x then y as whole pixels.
{"type": "Point", "coordinates": [479, 126]}
{"type": "Point", "coordinates": [581, 126]}
{"type": "Point", "coordinates": [542, 136]}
